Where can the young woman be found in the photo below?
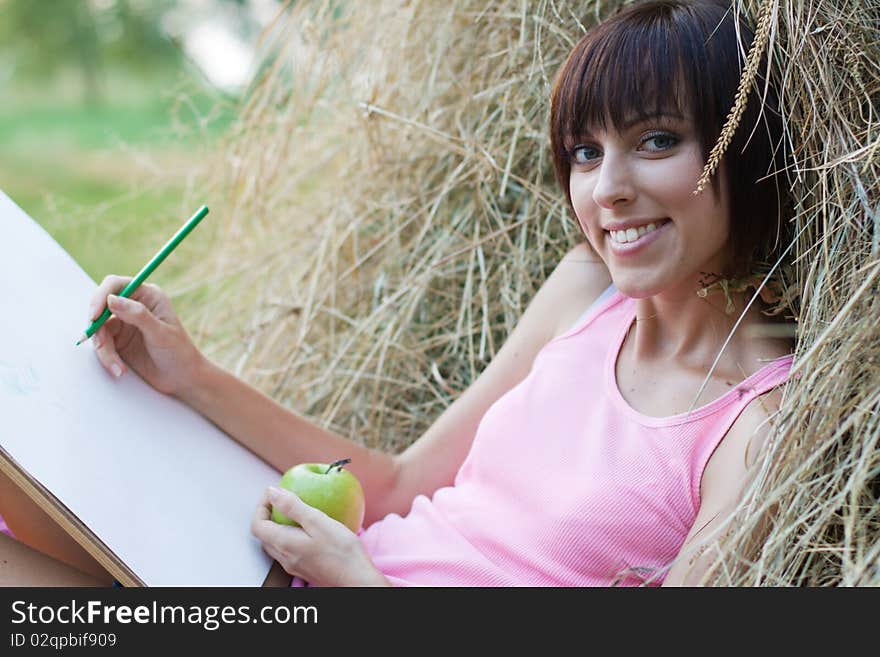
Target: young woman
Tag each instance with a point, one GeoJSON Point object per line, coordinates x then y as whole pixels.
{"type": "Point", "coordinates": [600, 446]}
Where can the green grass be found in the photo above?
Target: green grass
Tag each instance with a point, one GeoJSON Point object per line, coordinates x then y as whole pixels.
{"type": "Point", "coordinates": [70, 165]}
{"type": "Point", "coordinates": [144, 110]}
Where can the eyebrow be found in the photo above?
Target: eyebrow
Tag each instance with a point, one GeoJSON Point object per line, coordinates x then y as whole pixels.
{"type": "Point", "coordinates": [629, 123]}
{"type": "Point", "coordinates": [633, 121]}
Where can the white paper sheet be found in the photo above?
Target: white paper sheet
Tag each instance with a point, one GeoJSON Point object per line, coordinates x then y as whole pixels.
{"type": "Point", "coordinates": [166, 490]}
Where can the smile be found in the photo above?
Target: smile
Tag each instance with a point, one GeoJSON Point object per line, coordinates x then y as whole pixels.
{"type": "Point", "coordinates": [633, 240]}
{"type": "Point", "coordinates": [634, 234]}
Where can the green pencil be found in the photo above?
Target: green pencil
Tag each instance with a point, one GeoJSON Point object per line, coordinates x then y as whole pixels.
{"type": "Point", "coordinates": [148, 269]}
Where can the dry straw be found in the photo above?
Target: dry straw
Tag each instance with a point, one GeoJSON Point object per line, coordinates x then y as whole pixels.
{"type": "Point", "coordinates": [385, 209]}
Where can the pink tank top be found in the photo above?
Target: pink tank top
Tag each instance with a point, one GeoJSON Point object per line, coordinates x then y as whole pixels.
{"type": "Point", "coordinates": [565, 483]}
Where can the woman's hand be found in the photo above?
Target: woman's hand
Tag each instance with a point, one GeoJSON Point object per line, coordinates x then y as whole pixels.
{"type": "Point", "coordinates": [144, 333]}
{"type": "Point", "coordinates": [322, 551]}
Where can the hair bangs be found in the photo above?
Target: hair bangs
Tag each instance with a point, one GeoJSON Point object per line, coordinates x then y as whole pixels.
{"type": "Point", "coordinates": [680, 57]}
{"type": "Point", "coordinates": [625, 75]}
{"type": "Point", "coordinates": [649, 60]}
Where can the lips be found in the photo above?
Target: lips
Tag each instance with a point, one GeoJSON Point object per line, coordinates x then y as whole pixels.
{"type": "Point", "coordinates": [630, 232]}
{"type": "Point", "coordinates": [633, 223]}
{"type": "Point", "coordinates": [630, 248]}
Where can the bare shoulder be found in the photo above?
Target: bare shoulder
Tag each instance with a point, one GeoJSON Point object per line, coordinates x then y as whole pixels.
{"type": "Point", "coordinates": [753, 426]}
{"type": "Point", "coordinates": [729, 467]}
{"type": "Point", "coordinates": [583, 254]}
{"type": "Point", "coordinates": [730, 470]}
{"type": "Point", "coordinates": [577, 282]}
{"type": "Point", "coordinates": [434, 459]}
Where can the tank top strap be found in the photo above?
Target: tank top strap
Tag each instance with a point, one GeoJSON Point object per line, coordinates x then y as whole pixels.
{"type": "Point", "coordinates": [712, 429]}
{"type": "Point", "coordinates": [592, 310]}
{"type": "Point", "coordinates": [773, 374]}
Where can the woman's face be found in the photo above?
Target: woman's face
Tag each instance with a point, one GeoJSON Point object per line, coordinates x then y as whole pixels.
{"type": "Point", "coordinates": [640, 181]}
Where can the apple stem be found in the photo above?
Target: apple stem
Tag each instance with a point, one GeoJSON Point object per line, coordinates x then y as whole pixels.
{"type": "Point", "coordinates": [337, 464]}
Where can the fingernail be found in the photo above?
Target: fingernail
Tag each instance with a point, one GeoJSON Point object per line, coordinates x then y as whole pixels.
{"type": "Point", "coordinates": [274, 492]}
{"type": "Point", "coordinates": [117, 371]}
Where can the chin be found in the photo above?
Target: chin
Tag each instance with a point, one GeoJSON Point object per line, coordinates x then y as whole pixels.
{"type": "Point", "coordinates": [635, 289]}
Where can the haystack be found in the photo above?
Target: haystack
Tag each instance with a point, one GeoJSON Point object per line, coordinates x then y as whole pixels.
{"type": "Point", "coordinates": [385, 209]}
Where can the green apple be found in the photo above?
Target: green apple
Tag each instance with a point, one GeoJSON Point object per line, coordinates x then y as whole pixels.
{"type": "Point", "coordinates": [335, 491]}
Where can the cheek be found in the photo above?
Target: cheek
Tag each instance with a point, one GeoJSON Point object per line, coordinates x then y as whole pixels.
{"type": "Point", "coordinates": [706, 230]}
{"type": "Point", "coordinates": [672, 184]}
{"type": "Point", "coordinates": [674, 179]}
{"type": "Point", "coordinates": [582, 201]}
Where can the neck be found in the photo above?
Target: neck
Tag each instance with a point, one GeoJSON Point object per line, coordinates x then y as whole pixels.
{"type": "Point", "coordinates": [679, 325]}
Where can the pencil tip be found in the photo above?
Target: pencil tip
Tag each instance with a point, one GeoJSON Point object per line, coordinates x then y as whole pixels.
{"type": "Point", "coordinates": [80, 341]}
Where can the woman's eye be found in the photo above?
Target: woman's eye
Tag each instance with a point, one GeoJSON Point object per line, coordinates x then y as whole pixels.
{"type": "Point", "coordinates": [661, 141]}
{"type": "Point", "coordinates": [583, 154]}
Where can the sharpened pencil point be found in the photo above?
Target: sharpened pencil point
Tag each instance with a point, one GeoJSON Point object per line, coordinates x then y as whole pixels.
{"type": "Point", "coordinates": [82, 339]}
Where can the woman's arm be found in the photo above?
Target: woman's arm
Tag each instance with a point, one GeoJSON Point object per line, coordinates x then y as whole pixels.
{"type": "Point", "coordinates": [391, 482]}
{"type": "Point", "coordinates": [728, 473]}
{"type": "Point", "coordinates": [146, 334]}
{"type": "Point", "coordinates": [282, 438]}
{"type": "Point", "coordinates": [433, 460]}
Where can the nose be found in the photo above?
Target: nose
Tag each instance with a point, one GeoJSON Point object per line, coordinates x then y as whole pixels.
{"type": "Point", "coordinates": [614, 184]}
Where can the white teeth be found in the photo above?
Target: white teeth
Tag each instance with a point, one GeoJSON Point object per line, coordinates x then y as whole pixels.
{"type": "Point", "coordinates": [632, 234]}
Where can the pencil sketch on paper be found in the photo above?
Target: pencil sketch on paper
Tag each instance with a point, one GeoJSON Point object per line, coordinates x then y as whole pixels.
{"type": "Point", "coordinates": [20, 380]}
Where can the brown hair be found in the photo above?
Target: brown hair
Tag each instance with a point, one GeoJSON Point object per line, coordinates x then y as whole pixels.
{"type": "Point", "coordinates": [682, 56]}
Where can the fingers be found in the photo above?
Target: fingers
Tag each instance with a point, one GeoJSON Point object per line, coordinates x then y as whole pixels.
{"type": "Point", "coordinates": [114, 326]}
{"type": "Point", "coordinates": [110, 285]}
{"type": "Point", "coordinates": [148, 294]}
{"type": "Point", "coordinates": [106, 352]}
{"type": "Point", "coordinates": [259, 530]}
{"type": "Point", "coordinates": [269, 531]}
{"type": "Point", "coordinates": [276, 555]}
{"type": "Point", "coordinates": [263, 512]}
{"type": "Point", "coordinates": [262, 525]}
{"type": "Point", "coordinates": [135, 313]}
{"type": "Point", "coordinates": [128, 311]}
{"type": "Point", "coordinates": [293, 507]}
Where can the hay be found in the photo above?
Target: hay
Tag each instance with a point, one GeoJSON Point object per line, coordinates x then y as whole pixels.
{"type": "Point", "coordinates": [386, 208]}
{"type": "Point", "coordinates": [812, 516]}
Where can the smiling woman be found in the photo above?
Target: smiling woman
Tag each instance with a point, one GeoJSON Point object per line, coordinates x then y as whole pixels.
{"type": "Point", "coordinates": [623, 382]}
{"type": "Point", "coordinates": [630, 184]}
{"type": "Point", "coordinates": [661, 78]}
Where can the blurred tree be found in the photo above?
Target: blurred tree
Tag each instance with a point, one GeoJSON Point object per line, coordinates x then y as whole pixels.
{"type": "Point", "coordinates": [47, 37]}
